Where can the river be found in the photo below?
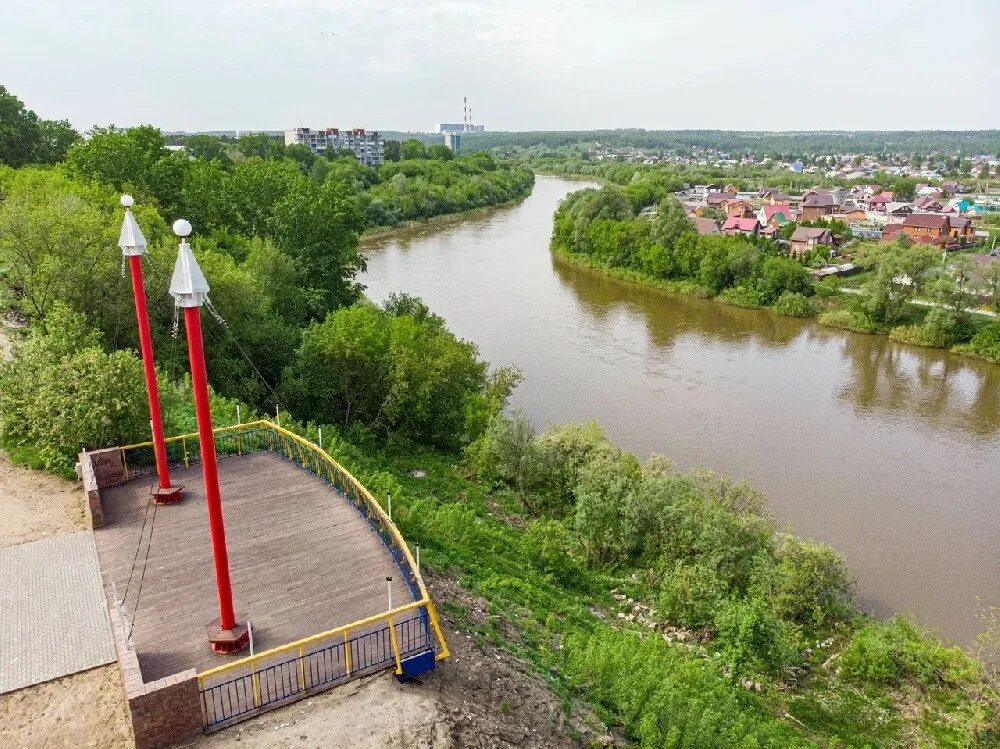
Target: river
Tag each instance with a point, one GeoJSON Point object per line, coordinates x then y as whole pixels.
{"type": "Point", "coordinates": [887, 452]}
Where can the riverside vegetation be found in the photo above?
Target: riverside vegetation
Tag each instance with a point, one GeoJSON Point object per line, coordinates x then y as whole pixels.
{"type": "Point", "coordinates": [601, 228]}
{"type": "Point", "coordinates": [669, 600]}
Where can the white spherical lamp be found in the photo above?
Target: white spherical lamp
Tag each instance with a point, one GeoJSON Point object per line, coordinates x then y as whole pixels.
{"type": "Point", "coordinates": [182, 227]}
{"type": "Point", "coordinates": [126, 200]}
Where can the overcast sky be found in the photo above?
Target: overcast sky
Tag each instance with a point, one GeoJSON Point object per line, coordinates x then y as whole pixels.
{"type": "Point", "coordinates": [524, 64]}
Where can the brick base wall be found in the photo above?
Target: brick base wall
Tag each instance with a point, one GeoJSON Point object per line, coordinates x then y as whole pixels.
{"type": "Point", "coordinates": [99, 469]}
{"type": "Point", "coordinates": [163, 712]}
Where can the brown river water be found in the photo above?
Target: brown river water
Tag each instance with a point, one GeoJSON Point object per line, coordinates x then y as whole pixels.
{"type": "Point", "coordinates": [887, 452]}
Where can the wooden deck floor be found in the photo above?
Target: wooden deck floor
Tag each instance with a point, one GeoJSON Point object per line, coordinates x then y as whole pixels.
{"type": "Point", "coordinates": [302, 560]}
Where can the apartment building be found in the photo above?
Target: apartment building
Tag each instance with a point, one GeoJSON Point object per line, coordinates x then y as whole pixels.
{"type": "Point", "coordinates": [367, 145]}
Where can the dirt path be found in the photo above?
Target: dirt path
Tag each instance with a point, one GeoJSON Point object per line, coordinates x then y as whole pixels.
{"type": "Point", "coordinates": [81, 710]}
{"type": "Point", "coordinates": [34, 504]}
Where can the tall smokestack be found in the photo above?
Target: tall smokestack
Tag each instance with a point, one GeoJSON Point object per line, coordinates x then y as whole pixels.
{"type": "Point", "coordinates": [465, 113]}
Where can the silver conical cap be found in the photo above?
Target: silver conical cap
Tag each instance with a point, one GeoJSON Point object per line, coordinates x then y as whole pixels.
{"type": "Point", "coordinates": [188, 286]}
{"type": "Point", "coordinates": [131, 240]}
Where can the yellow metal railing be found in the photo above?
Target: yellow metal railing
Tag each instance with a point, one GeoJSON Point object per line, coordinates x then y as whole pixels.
{"type": "Point", "coordinates": [267, 435]}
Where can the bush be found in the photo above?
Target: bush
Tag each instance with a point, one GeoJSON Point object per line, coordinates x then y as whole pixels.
{"type": "Point", "coordinates": [827, 288]}
{"type": "Point", "coordinates": [606, 486]}
{"type": "Point", "coordinates": [896, 651]}
{"type": "Point", "coordinates": [670, 698]}
{"type": "Point", "coordinates": [63, 393]}
{"type": "Point", "coordinates": [690, 594]}
{"type": "Point", "coordinates": [548, 544]}
{"type": "Point", "coordinates": [814, 585]}
{"type": "Point", "coordinates": [753, 639]}
{"type": "Point", "coordinates": [985, 344]}
{"type": "Point", "coordinates": [849, 319]}
{"type": "Point", "coordinates": [940, 329]}
{"type": "Point", "coordinates": [743, 296]}
{"type": "Point", "coordinates": [568, 449]}
{"type": "Point", "coordinates": [509, 454]}
{"type": "Point", "coordinates": [794, 304]}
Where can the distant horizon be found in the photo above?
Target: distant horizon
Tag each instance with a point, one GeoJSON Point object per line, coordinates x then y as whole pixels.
{"type": "Point", "coordinates": [525, 65]}
{"type": "Point", "coordinates": [581, 130]}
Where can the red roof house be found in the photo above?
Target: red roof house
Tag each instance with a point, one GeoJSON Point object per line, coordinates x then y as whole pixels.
{"type": "Point", "coordinates": [737, 225]}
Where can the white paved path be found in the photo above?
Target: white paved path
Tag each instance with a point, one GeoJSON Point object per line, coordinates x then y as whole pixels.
{"type": "Point", "coordinates": [53, 616]}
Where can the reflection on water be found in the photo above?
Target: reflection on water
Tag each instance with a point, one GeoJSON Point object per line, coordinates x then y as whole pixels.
{"type": "Point", "coordinates": [886, 451]}
{"type": "Point", "coordinates": [944, 390]}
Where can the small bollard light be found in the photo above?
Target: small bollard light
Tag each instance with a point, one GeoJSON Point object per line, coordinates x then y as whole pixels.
{"type": "Point", "coordinates": [388, 585]}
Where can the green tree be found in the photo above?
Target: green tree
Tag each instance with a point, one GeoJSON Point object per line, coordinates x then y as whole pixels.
{"type": "Point", "coordinates": [898, 272]}
{"type": "Point", "coordinates": [412, 149]}
{"type": "Point", "coordinates": [25, 138]}
{"type": "Point", "coordinates": [261, 145]}
{"type": "Point", "coordinates": [207, 147]}
{"type": "Point", "coordinates": [63, 393]}
{"type": "Point", "coordinates": [122, 159]}
{"type": "Point", "coordinates": [391, 374]}
{"type": "Point", "coordinates": [390, 150]}
{"type": "Point", "coordinates": [440, 151]}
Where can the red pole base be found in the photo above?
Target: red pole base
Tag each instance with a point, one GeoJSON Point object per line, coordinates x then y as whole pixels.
{"type": "Point", "coordinates": [225, 641]}
{"type": "Point", "coordinates": [169, 496]}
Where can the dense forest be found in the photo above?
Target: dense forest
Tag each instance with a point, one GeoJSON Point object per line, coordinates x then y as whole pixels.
{"type": "Point", "coordinates": [759, 144]}
{"type": "Point", "coordinates": [669, 600]}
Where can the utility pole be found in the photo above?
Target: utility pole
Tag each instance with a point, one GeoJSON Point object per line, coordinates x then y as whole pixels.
{"type": "Point", "coordinates": [229, 633]}
{"type": "Point", "coordinates": [133, 247]}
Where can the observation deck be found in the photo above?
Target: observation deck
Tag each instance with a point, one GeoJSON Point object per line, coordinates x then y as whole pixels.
{"type": "Point", "coordinates": [310, 551]}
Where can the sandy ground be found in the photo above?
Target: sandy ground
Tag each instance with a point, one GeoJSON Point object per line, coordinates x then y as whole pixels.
{"type": "Point", "coordinates": [372, 712]}
{"type": "Point", "coordinates": [482, 698]}
{"type": "Point", "coordinates": [34, 504]}
{"type": "Point", "coordinates": [81, 710]}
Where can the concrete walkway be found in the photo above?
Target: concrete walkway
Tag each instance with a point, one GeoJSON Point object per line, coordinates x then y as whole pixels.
{"type": "Point", "coordinates": [53, 616]}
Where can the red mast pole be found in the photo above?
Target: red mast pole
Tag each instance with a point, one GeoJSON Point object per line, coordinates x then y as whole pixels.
{"type": "Point", "coordinates": [209, 466]}
{"type": "Point", "coordinates": [133, 246]}
{"type": "Point", "coordinates": [188, 287]}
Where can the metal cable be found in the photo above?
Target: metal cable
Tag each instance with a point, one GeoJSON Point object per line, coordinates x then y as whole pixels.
{"type": "Point", "coordinates": [142, 577]}
{"type": "Point", "coordinates": [138, 546]}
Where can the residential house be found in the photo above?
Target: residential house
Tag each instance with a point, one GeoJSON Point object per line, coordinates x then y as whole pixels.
{"type": "Point", "coordinates": [807, 238]}
{"type": "Point", "coordinates": [961, 229]}
{"type": "Point", "coordinates": [890, 232]}
{"type": "Point", "coordinates": [898, 210]}
{"type": "Point", "coordinates": [860, 192]}
{"type": "Point", "coordinates": [719, 199]}
{"type": "Point", "coordinates": [927, 191]}
{"type": "Point", "coordinates": [928, 205]}
{"type": "Point", "coordinates": [877, 202]}
{"type": "Point", "coordinates": [773, 196]}
{"type": "Point", "coordinates": [706, 226]}
{"type": "Point", "coordinates": [775, 215]}
{"type": "Point", "coordinates": [817, 205]}
{"type": "Point", "coordinates": [739, 207]}
{"type": "Point", "coordinates": [930, 228]}
{"type": "Point", "coordinates": [852, 212]}
{"type": "Point", "coordinates": [747, 226]}
{"type": "Point", "coordinates": [951, 187]}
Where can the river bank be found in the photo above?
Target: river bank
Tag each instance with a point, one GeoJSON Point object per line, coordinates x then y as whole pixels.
{"type": "Point", "coordinates": [829, 300]}
{"type": "Point", "coordinates": [432, 221]}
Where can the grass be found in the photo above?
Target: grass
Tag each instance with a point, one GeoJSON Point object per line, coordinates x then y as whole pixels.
{"type": "Point", "coordinates": [470, 532]}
